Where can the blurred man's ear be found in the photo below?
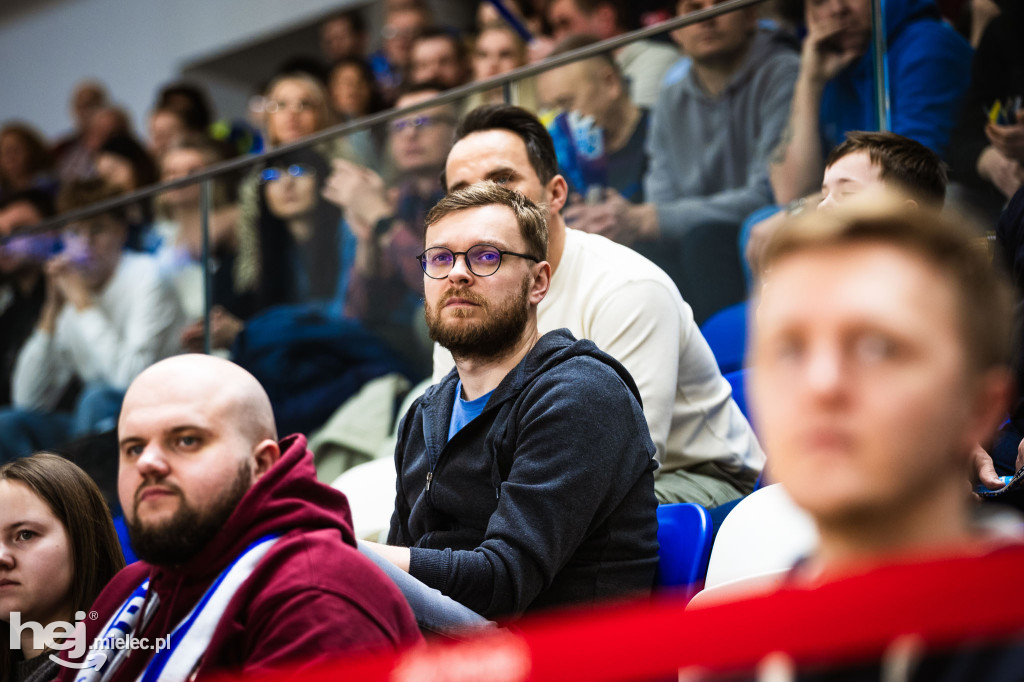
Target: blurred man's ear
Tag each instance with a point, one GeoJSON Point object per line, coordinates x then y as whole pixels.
{"type": "Point", "coordinates": [992, 393]}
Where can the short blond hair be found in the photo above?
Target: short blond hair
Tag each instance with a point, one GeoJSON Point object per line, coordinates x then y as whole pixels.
{"type": "Point", "coordinates": [946, 242]}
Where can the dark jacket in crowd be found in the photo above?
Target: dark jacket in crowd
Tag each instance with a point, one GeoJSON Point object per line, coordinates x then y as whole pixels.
{"type": "Point", "coordinates": [545, 499]}
{"type": "Point", "coordinates": [997, 74]}
{"type": "Point", "coordinates": [311, 598]}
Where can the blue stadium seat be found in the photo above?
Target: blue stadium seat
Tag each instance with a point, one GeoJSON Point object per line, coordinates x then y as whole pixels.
{"type": "Point", "coordinates": [738, 380]}
{"type": "Point", "coordinates": [684, 536]}
{"type": "Point", "coordinates": [726, 333]}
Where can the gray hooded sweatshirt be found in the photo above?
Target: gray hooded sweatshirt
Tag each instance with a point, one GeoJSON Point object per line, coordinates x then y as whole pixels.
{"type": "Point", "coordinates": [709, 155]}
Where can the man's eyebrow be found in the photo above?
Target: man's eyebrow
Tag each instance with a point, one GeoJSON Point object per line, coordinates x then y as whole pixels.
{"type": "Point", "coordinates": [502, 172]}
{"type": "Point", "coordinates": [177, 430]}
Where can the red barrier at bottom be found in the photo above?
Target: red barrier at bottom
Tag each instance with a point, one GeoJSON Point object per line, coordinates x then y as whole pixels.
{"type": "Point", "coordinates": [848, 619]}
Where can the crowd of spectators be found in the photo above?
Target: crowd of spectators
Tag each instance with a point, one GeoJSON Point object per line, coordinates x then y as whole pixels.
{"type": "Point", "coordinates": [667, 168]}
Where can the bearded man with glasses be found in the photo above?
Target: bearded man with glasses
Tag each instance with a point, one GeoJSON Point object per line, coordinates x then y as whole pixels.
{"type": "Point", "coordinates": [526, 476]}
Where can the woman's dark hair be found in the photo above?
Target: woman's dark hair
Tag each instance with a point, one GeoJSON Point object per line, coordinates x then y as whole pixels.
{"type": "Point", "coordinates": [189, 100]}
{"type": "Point", "coordinates": [77, 503]}
{"type": "Point", "coordinates": [281, 254]}
{"type": "Point", "coordinates": [39, 157]}
{"type": "Point", "coordinates": [377, 102]}
{"type": "Point", "coordinates": [128, 148]}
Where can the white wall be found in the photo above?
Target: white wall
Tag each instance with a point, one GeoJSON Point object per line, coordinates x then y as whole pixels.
{"type": "Point", "coordinates": [131, 45]}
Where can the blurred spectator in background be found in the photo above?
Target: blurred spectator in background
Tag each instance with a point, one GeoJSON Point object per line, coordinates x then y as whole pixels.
{"type": "Point", "coordinates": [642, 62]}
{"type": "Point", "coordinates": [438, 55]}
{"type": "Point", "coordinates": [499, 49]}
{"type": "Point", "coordinates": [296, 106]}
{"type": "Point", "coordinates": [176, 239]}
{"type": "Point", "coordinates": [166, 128]}
{"type": "Point", "coordinates": [354, 94]}
{"type": "Point", "coordinates": [732, 105]}
{"type": "Point", "coordinates": [986, 151]}
{"type": "Point", "coordinates": [595, 98]}
{"type": "Point", "coordinates": [353, 90]}
{"type": "Point", "coordinates": [928, 68]}
{"type": "Point", "coordinates": [386, 286]}
{"type": "Point", "coordinates": [300, 249]}
{"type": "Point", "coordinates": [390, 64]}
{"type": "Point", "coordinates": [190, 101]}
{"type": "Point", "coordinates": [880, 356]}
{"type": "Point", "coordinates": [299, 233]}
{"type": "Point", "coordinates": [123, 163]}
{"type": "Point", "coordinates": [107, 315]}
{"type": "Point", "coordinates": [864, 161]}
{"type": "Point", "coordinates": [105, 123]}
{"type": "Point", "coordinates": [25, 161]}
{"type": "Point", "coordinates": [70, 154]}
{"type": "Point", "coordinates": [343, 36]}
{"type": "Point", "coordinates": [22, 288]}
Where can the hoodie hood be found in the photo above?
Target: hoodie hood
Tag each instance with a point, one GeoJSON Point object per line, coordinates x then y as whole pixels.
{"type": "Point", "coordinates": [900, 13]}
{"type": "Point", "coordinates": [286, 498]}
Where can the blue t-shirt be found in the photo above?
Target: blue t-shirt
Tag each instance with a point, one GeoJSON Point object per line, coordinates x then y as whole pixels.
{"type": "Point", "coordinates": [465, 411]}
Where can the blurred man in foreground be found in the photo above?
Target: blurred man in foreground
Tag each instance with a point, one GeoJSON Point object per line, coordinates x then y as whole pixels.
{"type": "Point", "coordinates": [880, 357]}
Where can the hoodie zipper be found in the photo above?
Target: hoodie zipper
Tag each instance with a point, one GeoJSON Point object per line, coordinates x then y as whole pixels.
{"type": "Point", "coordinates": [430, 477]}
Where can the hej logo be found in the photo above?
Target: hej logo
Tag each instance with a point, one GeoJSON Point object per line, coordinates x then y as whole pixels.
{"type": "Point", "coordinates": [57, 636]}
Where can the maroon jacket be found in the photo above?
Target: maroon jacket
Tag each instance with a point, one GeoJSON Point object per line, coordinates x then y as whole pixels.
{"type": "Point", "coordinates": [312, 597]}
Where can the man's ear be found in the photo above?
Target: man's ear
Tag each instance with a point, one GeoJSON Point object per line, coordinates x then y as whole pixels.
{"type": "Point", "coordinates": [558, 194]}
{"type": "Point", "coordinates": [541, 282]}
{"type": "Point", "coordinates": [991, 400]}
{"type": "Point", "coordinates": [611, 81]}
{"type": "Point", "coordinates": [265, 455]}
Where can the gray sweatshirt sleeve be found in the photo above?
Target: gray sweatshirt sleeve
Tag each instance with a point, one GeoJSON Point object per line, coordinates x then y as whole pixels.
{"type": "Point", "coordinates": [677, 214]}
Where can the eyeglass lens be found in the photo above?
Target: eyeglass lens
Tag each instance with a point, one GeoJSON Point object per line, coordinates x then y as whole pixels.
{"type": "Point", "coordinates": [482, 260]}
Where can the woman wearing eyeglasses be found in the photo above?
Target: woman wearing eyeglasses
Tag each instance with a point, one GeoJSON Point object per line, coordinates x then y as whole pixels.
{"type": "Point", "coordinates": [296, 106]}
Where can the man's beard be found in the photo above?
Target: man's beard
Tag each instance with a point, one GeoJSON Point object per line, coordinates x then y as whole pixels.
{"type": "Point", "coordinates": [491, 337]}
{"type": "Point", "coordinates": [181, 537]}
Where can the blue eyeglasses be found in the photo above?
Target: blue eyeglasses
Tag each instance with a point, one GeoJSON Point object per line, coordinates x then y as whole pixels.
{"type": "Point", "coordinates": [483, 260]}
{"type": "Point", "coordinates": [418, 122]}
{"type": "Point", "coordinates": [295, 170]}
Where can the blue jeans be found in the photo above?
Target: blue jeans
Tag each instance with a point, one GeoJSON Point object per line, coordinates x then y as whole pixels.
{"type": "Point", "coordinates": [434, 611]}
{"type": "Point", "coordinates": [23, 432]}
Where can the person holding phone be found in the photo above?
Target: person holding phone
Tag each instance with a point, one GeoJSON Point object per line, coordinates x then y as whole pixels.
{"type": "Point", "coordinates": [928, 67]}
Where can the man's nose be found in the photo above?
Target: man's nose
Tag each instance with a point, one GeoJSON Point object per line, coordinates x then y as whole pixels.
{"type": "Point", "coordinates": [152, 462]}
{"type": "Point", "coordinates": [824, 372]}
{"type": "Point", "coordinates": [460, 270]}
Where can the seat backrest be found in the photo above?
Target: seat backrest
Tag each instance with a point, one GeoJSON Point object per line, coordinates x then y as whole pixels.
{"type": "Point", "coordinates": [726, 333]}
{"type": "Point", "coordinates": [738, 381]}
{"type": "Point", "coordinates": [684, 536]}
{"type": "Point", "coordinates": [766, 533]}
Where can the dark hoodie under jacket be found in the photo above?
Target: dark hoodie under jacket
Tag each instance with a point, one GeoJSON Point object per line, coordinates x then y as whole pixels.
{"type": "Point", "coordinates": [313, 597]}
{"type": "Point", "coordinates": [546, 499]}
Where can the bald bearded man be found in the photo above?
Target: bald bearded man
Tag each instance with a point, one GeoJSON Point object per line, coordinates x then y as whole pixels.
{"type": "Point", "coordinates": [247, 559]}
